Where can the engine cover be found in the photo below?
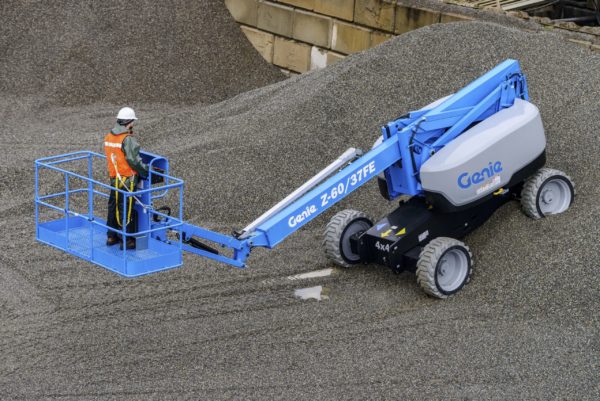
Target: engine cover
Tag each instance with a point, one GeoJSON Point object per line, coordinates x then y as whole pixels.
{"type": "Point", "coordinates": [486, 156]}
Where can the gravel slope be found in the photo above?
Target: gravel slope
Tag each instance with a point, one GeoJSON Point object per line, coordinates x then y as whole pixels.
{"type": "Point", "coordinates": [526, 327]}
{"type": "Point", "coordinates": [115, 51]}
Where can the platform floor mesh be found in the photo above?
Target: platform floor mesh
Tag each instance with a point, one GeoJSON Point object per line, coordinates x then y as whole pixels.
{"type": "Point", "coordinates": [82, 239]}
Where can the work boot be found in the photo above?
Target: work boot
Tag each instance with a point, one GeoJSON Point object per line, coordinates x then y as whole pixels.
{"type": "Point", "coordinates": [129, 244]}
{"type": "Point", "coordinates": [110, 241]}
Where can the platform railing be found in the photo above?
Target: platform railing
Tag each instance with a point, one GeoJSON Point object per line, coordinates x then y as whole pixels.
{"type": "Point", "coordinates": [61, 164]}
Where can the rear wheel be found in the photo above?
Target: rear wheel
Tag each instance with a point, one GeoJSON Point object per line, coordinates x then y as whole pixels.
{"type": "Point", "coordinates": [547, 192]}
{"type": "Point", "coordinates": [340, 228]}
{"type": "Point", "coordinates": [445, 265]}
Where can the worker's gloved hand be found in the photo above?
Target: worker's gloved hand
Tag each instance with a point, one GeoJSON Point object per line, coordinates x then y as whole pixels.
{"type": "Point", "coordinates": [157, 179]}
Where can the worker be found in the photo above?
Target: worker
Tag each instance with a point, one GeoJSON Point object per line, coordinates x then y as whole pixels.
{"type": "Point", "coordinates": [125, 167]}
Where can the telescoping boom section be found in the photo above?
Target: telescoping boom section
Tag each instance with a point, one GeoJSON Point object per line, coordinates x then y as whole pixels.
{"type": "Point", "coordinates": [405, 145]}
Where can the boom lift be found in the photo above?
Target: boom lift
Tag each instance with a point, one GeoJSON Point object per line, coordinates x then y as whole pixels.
{"type": "Point", "coordinates": [452, 164]}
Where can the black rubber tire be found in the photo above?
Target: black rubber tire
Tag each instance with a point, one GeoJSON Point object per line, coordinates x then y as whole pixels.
{"type": "Point", "coordinates": [383, 188]}
{"type": "Point", "coordinates": [533, 186]}
{"type": "Point", "coordinates": [337, 233]}
{"type": "Point", "coordinates": [428, 266]}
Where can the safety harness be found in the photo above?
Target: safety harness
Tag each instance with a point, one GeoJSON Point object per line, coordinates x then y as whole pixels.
{"type": "Point", "coordinates": [119, 184]}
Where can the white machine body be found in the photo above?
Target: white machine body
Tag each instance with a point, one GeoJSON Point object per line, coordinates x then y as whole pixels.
{"type": "Point", "coordinates": [485, 157]}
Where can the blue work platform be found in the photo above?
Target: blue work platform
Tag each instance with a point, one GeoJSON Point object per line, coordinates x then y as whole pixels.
{"type": "Point", "coordinates": [84, 234]}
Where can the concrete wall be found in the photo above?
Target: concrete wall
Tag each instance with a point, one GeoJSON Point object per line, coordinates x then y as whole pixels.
{"type": "Point", "coordinates": [300, 35]}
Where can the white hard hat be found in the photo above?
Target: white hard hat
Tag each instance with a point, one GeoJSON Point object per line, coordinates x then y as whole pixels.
{"type": "Point", "coordinates": [126, 113]}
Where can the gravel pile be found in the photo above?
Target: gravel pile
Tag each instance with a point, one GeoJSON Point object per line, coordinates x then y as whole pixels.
{"type": "Point", "coordinates": [115, 51]}
{"type": "Point", "coordinates": [254, 149]}
{"type": "Point", "coordinates": [526, 327]}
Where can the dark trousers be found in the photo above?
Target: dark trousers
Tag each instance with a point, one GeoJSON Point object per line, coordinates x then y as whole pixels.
{"type": "Point", "coordinates": [115, 205]}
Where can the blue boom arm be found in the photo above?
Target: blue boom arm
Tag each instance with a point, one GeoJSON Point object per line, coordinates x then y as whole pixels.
{"type": "Point", "coordinates": [424, 132]}
{"type": "Point", "coordinates": [407, 143]}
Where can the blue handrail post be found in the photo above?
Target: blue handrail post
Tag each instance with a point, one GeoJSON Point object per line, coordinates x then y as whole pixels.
{"type": "Point", "coordinates": [37, 229]}
{"type": "Point", "coordinates": [90, 189]}
{"type": "Point", "coordinates": [91, 203]}
{"type": "Point", "coordinates": [143, 218]}
{"type": "Point", "coordinates": [181, 219]}
{"type": "Point", "coordinates": [67, 209]}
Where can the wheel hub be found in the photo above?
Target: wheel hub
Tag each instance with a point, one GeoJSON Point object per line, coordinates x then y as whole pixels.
{"type": "Point", "coordinates": [443, 266]}
{"type": "Point", "coordinates": [555, 196]}
{"type": "Point", "coordinates": [452, 269]}
{"type": "Point", "coordinates": [547, 197]}
{"type": "Point", "coordinates": [354, 227]}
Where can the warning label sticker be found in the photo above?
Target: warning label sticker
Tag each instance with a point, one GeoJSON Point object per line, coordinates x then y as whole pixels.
{"type": "Point", "coordinates": [494, 182]}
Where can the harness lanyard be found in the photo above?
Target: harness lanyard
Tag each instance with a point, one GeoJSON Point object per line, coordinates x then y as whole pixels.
{"type": "Point", "coordinates": [120, 180]}
{"type": "Point", "coordinates": [117, 202]}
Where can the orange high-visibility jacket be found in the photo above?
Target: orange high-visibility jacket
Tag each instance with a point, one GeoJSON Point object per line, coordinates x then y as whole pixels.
{"type": "Point", "coordinates": [113, 146]}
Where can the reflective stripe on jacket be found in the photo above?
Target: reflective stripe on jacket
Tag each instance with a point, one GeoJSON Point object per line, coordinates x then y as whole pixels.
{"type": "Point", "coordinates": [113, 148]}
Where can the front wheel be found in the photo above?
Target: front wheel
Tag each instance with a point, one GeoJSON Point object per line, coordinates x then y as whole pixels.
{"type": "Point", "coordinates": [340, 228]}
{"type": "Point", "coordinates": [445, 265]}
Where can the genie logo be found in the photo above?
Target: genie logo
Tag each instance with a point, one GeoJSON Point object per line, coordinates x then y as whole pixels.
{"type": "Point", "coordinates": [293, 221]}
{"type": "Point", "coordinates": [465, 180]}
